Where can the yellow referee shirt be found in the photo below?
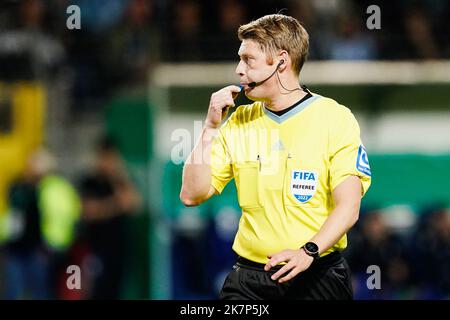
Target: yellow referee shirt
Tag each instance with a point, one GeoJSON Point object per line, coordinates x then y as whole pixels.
{"type": "Point", "coordinates": [285, 169]}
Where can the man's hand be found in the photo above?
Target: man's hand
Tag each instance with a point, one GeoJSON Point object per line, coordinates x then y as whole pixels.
{"type": "Point", "coordinates": [296, 261]}
{"type": "Point", "coordinates": [218, 105]}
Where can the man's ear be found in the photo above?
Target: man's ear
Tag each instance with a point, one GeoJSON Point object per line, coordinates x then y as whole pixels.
{"type": "Point", "coordinates": [283, 58]}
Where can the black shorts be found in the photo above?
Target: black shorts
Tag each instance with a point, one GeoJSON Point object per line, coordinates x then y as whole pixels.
{"type": "Point", "coordinates": [328, 278]}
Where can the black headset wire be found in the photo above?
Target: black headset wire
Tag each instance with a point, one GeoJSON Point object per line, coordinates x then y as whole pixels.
{"type": "Point", "coordinates": [302, 87]}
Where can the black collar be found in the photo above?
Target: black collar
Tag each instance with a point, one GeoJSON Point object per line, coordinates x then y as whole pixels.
{"type": "Point", "coordinates": [281, 112]}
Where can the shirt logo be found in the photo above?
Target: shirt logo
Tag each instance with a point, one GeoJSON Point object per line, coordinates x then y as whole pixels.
{"type": "Point", "coordinates": [304, 184]}
{"type": "Point", "coordinates": [362, 162]}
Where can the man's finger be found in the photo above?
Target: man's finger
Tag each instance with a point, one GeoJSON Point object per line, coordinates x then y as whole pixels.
{"type": "Point", "coordinates": [269, 263]}
{"type": "Point", "coordinates": [282, 271]}
{"type": "Point", "coordinates": [290, 275]}
{"type": "Point", "coordinates": [230, 103]}
{"type": "Point", "coordinates": [276, 260]}
{"type": "Point", "coordinates": [234, 88]}
{"type": "Point", "coordinates": [270, 257]}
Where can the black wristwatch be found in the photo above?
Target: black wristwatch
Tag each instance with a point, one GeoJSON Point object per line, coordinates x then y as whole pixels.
{"type": "Point", "coordinates": [311, 249]}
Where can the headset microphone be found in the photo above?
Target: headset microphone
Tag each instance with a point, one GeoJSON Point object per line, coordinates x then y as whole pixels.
{"type": "Point", "coordinates": [255, 84]}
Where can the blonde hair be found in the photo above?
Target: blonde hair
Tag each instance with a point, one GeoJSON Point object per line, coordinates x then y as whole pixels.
{"type": "Point", "coordinates": [278, 32]}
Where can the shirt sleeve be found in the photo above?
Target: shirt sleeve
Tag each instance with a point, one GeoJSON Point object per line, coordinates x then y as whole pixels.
{"type": "Point", "coordinates": [348, 155]}
{"type": "Point", "coordinates": [221, 166]}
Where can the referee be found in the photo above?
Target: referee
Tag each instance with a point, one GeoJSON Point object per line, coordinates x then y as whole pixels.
{"type": "Point", "coordinates": [299, 166]}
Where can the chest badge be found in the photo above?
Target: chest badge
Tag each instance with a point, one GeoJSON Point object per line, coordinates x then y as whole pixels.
{"type": "Point", "coordinates": [304, 184]}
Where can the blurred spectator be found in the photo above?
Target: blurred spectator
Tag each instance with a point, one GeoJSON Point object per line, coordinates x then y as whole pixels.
{"type": "Point", "coordinates": [390, 38]}
{"type": "Point", "coordinates": [232, 14]}
{"type": "Point", "coordinates": [191, 277]}
{"type": "Point", "coordinates": [350, 42]}
{"type": "Point", "coordinates": [224, 43]}
{"type": "Point", "coordinates": [432, 254]}
{"type": "Point", "coordinates": [134, 44]}
{"type": "Point", "coordinates": [419, 33]}
{"type": "Point", "coordinates": [26, 270]}
{"type": "Point", "coordinates": [44, 209]}
{"type": "Point", "coordinates": [306, 13]}
{"type": "Point", "coordinates": [92, 76]}
{"type": "Point", "coordinates": [377, 245]}
{"type": "Point", "coordinates": [409, 29]}
{"type": "Point", "coordinates": [443, 28]}
{"type": "Point", "coordinates": [27, 50]}
{"type": "Point", "coordinates": [184, 39]}
{"type": "Point", "coordinates": [99, 16]}
{"type": "Point", "coordinates": [108, 198]}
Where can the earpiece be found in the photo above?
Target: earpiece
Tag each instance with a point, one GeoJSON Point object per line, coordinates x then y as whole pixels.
{"type": "Point", "coordinates": [281, 62]}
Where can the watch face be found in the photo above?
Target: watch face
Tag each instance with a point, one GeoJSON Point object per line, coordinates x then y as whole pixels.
{"type": "Point", "coordinates": [311, 247]}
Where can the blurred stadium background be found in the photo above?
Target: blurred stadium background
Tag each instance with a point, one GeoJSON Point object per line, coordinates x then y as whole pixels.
{"type": "Point", "coordinates": [140, 72]}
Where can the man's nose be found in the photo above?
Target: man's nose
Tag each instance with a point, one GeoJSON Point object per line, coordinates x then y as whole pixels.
{"type": "Point", "coordinates": [240, 69]}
